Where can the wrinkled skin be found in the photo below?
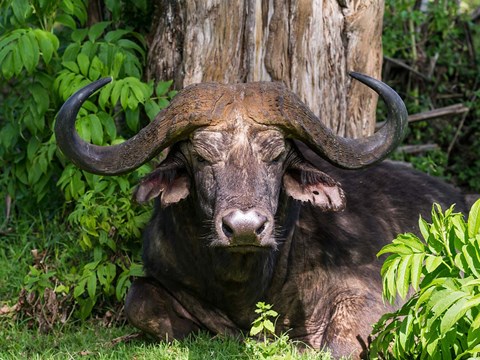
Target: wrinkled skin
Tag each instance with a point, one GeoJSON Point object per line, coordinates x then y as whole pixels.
{"type": "Point", "coordinates": [244, 215]}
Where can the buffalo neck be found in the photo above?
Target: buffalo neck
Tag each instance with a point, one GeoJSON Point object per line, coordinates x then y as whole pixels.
{"type": "Point", "coordinates": [177, 251]}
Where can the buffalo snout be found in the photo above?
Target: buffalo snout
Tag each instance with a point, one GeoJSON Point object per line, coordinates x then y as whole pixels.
{"type": "Point", "coordinates": [248, 228]}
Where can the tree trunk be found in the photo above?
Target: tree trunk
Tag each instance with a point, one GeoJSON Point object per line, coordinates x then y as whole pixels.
{"type": "Point", "coordinates": [310, 45]}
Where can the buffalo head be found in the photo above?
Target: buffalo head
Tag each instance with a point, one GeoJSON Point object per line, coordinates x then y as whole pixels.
{"type": "Point", "coordinates": [232, 154]}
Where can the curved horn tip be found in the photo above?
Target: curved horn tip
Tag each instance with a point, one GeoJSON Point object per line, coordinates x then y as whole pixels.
{"type": "Point", "coordinates": [101, 82]}
{"type": "Point", "coordinates": [359, 76]}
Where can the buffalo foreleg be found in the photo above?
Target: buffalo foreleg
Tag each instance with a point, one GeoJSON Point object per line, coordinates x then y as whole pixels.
{"type": "Point", "coordinates": [152, 309]}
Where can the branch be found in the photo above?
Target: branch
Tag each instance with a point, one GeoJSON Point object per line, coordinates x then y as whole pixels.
{"type": "Point", "coordinates": [408, 67]}
{"type": "Point", "coordinates": [456, 109]}
{"type": "Point", "coordinates": [415, 149]}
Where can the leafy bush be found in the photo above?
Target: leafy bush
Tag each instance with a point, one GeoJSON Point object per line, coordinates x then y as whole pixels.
{"type": "Point", "coordinates": [47, 53]}
{"type": "Point", "coordinates": [438, 45]}
{"type": "Point", "coordinates": [442, 319]}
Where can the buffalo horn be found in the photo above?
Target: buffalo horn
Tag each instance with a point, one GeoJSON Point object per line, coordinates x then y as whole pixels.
{"type": "Point", "coordinates": [172, 124]}
{"type": "Point", "coordinates": [297, 121]}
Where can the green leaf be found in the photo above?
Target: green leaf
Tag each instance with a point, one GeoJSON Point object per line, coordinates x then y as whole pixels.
{"type": "Point", "coordinates": [80, 288]}
{"type": "Point", "coordinates": [114, 35]}
{"type": "Point", "coordinates": [152, 109]}
{"type": "Point", "coordinates": [67, 6]}
{"type": "Point", "coordinates": [96, 129]}
{"type": "Point", "coordinates": [470, 253]}
{"type": "Point", "coordinates": [116, 91]}
{"type": "Point", "coordinates": [163, 103]}
{"type": "Point", "coordinates": [117, 64]}
{"type": "Point", "coordinates": [71, 52]}
{"type": "Point", "coordinates": [17, 61]}
{"type": "Point", "coordinates": [453, 314]}
{"type": "Point", "coordinates": [474, 220]}
{"type": "Point", "coordinates": [83, 128]}
{"type": "Point", "coordinates": [396, 247]}
{"type": "Point", "coordinates": [48, 44]}
{"type": "Point", "coordinates": [83, 63]}
{"type": "Point", "coordinates": [416, 270]}
{"type": "Point", "coordinates": [474, 331]}
{"type": "Point", "coordinates": [21, 9]}
{"type": "Point", "coordinates": [124, 94]}
{"type": "Point", "coordinates": [136, 270]}
{"type": "Point", "coordinates": [72, 66]}
{"type": "Point", "coordinates": [133, 119]}
{"type": "Point", "coordinates": [256, 329]}
{"type": "Point", "coordinates": [29, 51]}
{"type": "Point", "coordinates": [66, 20]}
{"type": "Point", "coordinates": [446, 299]}
{"type": "Point", "coordinates": [32, 148]}
{"type": "Point", "coordinates": [268, 325]}
{"type": "Point", "coordinates": [432, 262]}
{"type": "Point", "coordinates": [424, 228]}
{"type": "Point", "coordinates": [162, 87]}
{"type": "Point", "coordinates": [41, 97]}
{"type": "Point", "coordinates": [129, 44]}
{"type": "Point", "coordinates": [403, 276]}
{"type": "Point", "coordinates": [137, 90]}
{"type": "Point", "coordinates": [97, 29]}
{"type": "Point", "coordinates": [79, 35]}
{"type": "Point", "coordinates": [7, 66]}
{"type": "Point", "coordinates": [105, 96]}
{"type": "Point", "coordinates": [389, 280]}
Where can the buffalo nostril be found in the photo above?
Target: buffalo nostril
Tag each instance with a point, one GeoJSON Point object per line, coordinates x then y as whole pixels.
{"type": "Point", "coordinates": [260, 229]}
{"type": "Point", "coordinates": [227, 230]}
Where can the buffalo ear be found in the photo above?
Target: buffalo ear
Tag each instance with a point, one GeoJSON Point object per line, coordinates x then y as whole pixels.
{"type": "Point", "coordinates": [306, 183]}
{"type": "Point", "coordinates": [169, 181]}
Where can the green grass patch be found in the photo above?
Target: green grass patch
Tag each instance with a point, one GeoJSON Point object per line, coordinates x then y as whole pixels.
{"type": "Point", "coordinates": [91, 340]}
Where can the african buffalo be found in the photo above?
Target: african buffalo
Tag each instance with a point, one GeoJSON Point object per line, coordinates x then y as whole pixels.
{"type": "Point", "coordinates": [258, 201]}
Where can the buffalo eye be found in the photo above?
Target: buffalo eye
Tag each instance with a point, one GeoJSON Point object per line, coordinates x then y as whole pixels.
{"type": "Point", "coordinates": [277, 158]}
{"type": "Point", "coordinates": [200, 159]}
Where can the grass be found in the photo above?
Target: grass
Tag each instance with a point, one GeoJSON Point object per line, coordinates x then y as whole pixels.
{"type": "Point", "coordinates": [91, 339]}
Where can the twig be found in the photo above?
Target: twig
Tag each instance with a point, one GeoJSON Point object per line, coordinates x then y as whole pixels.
{"type": "Point", "coordinates": [415, 149]}
{"type": "Point", "coordinates": [434, 114]}
{"type": "Point", "coordinates": [462, 122]}
{"type": "Point", "coordinates": [438, 113]}
{"type": "Point", "coordinates": [476, 15]}
{"type": "Point", "coordinates": [125, 338]}
{"type": "Point", "coordinates": [405, 66]}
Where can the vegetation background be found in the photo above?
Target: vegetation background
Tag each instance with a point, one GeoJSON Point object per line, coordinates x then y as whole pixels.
{"type": "Point", "coordinates": [69, 240]}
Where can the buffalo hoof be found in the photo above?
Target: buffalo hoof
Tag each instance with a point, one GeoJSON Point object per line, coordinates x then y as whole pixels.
{"type": "Point", "coordinates": [152, 309]}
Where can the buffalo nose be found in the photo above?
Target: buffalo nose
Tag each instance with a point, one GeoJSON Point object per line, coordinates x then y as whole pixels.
{"type": "Point", "coordinates": [244, 226]}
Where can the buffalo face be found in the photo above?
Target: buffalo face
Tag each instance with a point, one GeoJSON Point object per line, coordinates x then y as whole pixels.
{"type": "Point", "coordinates": [237, 173]}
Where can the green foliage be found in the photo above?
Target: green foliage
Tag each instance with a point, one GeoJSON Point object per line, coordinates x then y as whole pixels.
{"type": "Point", "coordinates": [442, 319]}
{"type": "Point", "coordinates": [47, 53]}
{"type": "Point", "coordinates": [263, 324]}
{"type": "Point", "coordinates": [439, 47]}
{"type": "Point", "coordinates": [272, 344]}
{"type": "Point", "coordinates": [275, 346]}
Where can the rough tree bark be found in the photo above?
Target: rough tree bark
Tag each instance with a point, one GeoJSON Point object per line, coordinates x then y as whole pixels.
{"type": "Point", "coordinates": [310, 45]}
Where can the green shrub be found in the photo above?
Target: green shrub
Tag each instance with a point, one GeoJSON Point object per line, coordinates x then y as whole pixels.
{"type": "Point", "coordinates": [442, 319]}
{"type": "Point", "coordinates": [439, 47]}
{"type": "Point", "coordinates": [47, 53]}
